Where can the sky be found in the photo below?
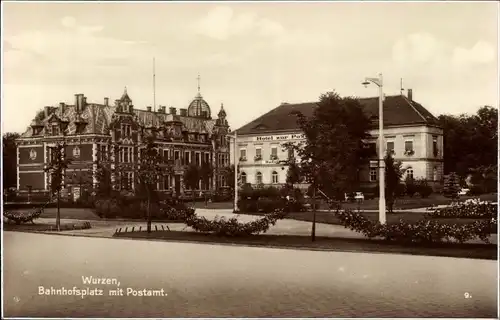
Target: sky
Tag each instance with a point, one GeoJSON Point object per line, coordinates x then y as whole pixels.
{"type": "Point", "coordinates": [250, 56]}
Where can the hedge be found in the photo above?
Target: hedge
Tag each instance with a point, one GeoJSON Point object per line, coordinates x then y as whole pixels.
{"type": "Point", "coordinates": [231, 227]}
{"type": "Point", "coordinates": [23, 217]}
{"type": "Point", "coordinates": [470, 209]}
{"type": "Point", "coordinates": [423, 231]}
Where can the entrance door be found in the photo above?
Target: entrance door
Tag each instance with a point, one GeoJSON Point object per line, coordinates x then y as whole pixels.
{"type": "Point", "coordinates": [177, 180]}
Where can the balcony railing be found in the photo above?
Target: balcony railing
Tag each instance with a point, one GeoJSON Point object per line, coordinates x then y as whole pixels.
{"type": "Point", "coordinates": [258, 157]}
{"type": "Point", "coordinates": [409, 153]}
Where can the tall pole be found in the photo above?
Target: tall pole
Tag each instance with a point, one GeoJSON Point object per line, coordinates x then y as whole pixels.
{"type": "Point", "coordinates": [154, 86]}
{"type": "Point", "coordinates": [235, 173]}
{"type": "Point", "coordinates": [381, 201]}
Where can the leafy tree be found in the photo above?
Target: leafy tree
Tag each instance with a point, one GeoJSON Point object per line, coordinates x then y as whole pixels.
{"type": "Point", "coordinates": [393, 174]}
{"type": "Point", "coordinates": [56, 168]}
{"type": "Point", "coordinates": [470, 141]}
{"type": "Point", "coordinates": [148, 172]}
{"type": "Point", "coordinates": [206, 172]}
{"type": "Point", "coordinates": [293, 175]}
{"type": "Point", "coordinates": [9, 169]}
{"type": "Point", "coordinates": [451, 186]}
{"type": "Point", "coordinates": [334, 148]}
{"type": "Point", "coordinates": [192, 177]}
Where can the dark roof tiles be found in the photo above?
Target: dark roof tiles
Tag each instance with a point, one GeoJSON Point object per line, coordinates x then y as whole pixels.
{"type": "Point", "coordinates": [398, 111]}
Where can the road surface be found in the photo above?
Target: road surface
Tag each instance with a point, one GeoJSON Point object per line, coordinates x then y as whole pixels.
{"type": "Point", "coordinates": [201, 280]}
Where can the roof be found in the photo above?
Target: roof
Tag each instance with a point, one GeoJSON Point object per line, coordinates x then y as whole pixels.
{"type": "Point", "coordinates": [98, 117]}
{"type": "Point", "coordinates": [398, 111]}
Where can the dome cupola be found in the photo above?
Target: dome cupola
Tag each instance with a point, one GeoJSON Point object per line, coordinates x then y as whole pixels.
{"type": "Point", "coordinates": [199, 107]}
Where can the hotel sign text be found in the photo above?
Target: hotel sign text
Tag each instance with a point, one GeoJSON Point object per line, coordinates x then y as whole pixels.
{"type": "Point", "coordinates": [281, 137]}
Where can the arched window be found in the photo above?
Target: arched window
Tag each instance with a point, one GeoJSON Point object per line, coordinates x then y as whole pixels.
{"type": "Point", "coordinates": [409, 172]}
{"type": "Point", "coordinates": [243, 178]}
{"type": "Point", "coordinates": [275, 177]}
{"type": "Point", "coordinates": [258, 178]}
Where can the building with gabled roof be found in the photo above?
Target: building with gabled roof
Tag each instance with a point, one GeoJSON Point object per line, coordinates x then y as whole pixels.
{"type": "Point", "coordinates": [410, 131]}
{"type": "Point", "coordinates": [185, 136]}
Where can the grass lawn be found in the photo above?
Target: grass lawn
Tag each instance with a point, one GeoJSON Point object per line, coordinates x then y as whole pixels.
{"type": "Point", "coordinates": [477, 251]}
{"type": "Point", "coordinates": [372, 204]}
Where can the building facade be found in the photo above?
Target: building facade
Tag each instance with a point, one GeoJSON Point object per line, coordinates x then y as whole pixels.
{"type": "Point", "coordinates": [90, 129]}
{"type": "Point", "coordinates": [410, 131]}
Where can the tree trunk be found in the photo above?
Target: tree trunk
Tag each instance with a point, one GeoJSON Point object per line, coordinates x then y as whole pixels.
{"type": "Point", "coordinates": [313, 230]}
{"type": "Point", "coordinates": [58, 215]}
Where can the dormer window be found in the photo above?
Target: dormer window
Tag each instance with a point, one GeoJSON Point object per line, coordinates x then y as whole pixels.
{"type": "Point", "coordinates": [54, 129]}
{"type": "Point", "coordinates": [126, 130]}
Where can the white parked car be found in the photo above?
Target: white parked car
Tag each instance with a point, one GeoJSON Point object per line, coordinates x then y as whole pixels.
{"type": "Point", "coordinates": [463, 192]}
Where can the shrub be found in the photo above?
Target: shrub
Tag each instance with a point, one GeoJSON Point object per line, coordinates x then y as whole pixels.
{"type": "Point", "coordinates": [451, 186]}
{"type": "Point", "coordinates": [231, 227]}
{"type": "Point", "coordinates": [423, 188]}
{"type": "Point", "coordinates": [410, 186]}
{"type": "Point", "coordinates": [423, 231]}
{"type": "Point", "coordinates": [23, 217]}
{"type": "Point", "coordinates": [472, 208]}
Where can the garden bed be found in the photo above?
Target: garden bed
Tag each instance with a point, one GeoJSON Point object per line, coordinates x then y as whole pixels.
{"type": "Point", "coordinates": [476, 251]}
{"type": "Point", "coordinates": [329, 217]}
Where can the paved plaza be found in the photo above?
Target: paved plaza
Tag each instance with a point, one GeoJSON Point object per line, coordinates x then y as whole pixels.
{"type": "Point", "coordinates": [202, 280]}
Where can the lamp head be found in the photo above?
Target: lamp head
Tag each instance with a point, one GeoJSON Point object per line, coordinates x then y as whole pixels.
{"type": "Point", "coordinates": [365, 83]}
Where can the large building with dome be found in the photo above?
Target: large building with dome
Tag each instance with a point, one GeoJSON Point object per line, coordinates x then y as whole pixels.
{"type": "Point", "coordinates": [185, 135]}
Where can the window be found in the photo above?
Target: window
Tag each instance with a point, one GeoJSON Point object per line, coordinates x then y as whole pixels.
{"type": "Point", "coordinates": [258, 177]}
{"type": "Point", "coordinates": [207, 157]}
{"type": "Point", "coordinates": [198, 158]}
{"type": "Point", "coordinates": [243, 178]}
{"type": "Point", "coordinates": [390, 147]}
{"type": "Point", "coordinates": [275, 177]}
{"type": "Point", "coordinates": [435, 174]}
{"type": "Point", "coordinates": [186, 157]}
{"type": "Point", "coordinates": [409, 173]}
{"type": "Point", "coordinates": [243, 154]}
{"type": "Point", "coordinates": [290, 153]}
{"type": "Point", "coordinates": [435, 151]}
{"type": "Point", "coordinates": [125, 154]}
{"type": "Point", "coordinates": [177, 155]}
{"type": "Point", "coordinates": [373, 174]}
{"type": "Point", "coordinates": [126, 130]}
{"type": "Point", "coordinates": [55, 129]}
{"type": "Point", "coordinates": [274, 153]}
{"type": "Point", "coordinates": [258, 152]}
{"type": "Point", "coordinates": [102, 153]}
{"type": "Point", "coordinates": [164, 182]}
{"type": "Point", "coordinates": [126, 180]}
{"type": "Point", "coordinates": [408, 145]}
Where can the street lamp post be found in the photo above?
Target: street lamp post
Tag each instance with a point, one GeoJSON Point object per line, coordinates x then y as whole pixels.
{"type": "Point", "coordinates": [381, 202]}
{"type": "Point", "coordinates": [235, 173]}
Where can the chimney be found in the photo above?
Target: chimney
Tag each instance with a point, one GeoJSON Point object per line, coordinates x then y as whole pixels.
{"type": "Point", "coordinates": [173, 111]}
{"type": "Point", "coordinates": [84, 102]}
{"type": "Point", "coordinates": [106, 101]}
{"type": "Point", "coordinates": [410, 94]}
{"type": "Point", "coordinates": [183, 112]}
{"type": "Point", "coordinates": [76, 101]}
{"type": "Point", "coordinates": [148, 108]}
{"type": "Point", "coordinates": [46, 111]}
{"type": "Point", "coordinates": [62, 107]}
{"type": "Point", "coordinates": [161, 109]}
{"type": "Point", "coordinates": [79, 105]}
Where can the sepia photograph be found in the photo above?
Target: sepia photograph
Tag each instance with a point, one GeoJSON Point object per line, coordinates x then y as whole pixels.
{"type": "Point", "coordinates": [250, 159]}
